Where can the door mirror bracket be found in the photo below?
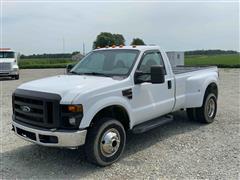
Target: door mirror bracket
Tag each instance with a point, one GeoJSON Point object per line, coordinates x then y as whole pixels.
{"type": "Point", "coordinates": [69, 68]}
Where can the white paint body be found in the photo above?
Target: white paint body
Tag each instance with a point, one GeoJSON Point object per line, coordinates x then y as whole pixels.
{"type": "Point", "coordinates": [149, 100]}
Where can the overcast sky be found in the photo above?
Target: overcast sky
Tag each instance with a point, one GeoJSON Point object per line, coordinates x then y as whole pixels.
{"type": "Point", "coordinates": [40, 27]}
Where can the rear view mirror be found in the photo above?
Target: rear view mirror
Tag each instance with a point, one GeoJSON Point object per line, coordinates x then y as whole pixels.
{"type": "Point", "coordinates": [157, 74]}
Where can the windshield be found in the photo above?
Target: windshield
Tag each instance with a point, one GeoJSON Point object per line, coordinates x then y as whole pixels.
{"type": "Point", "coordinates": [6, 54]}
{"type": "Point", "coordinates": [107, 62]}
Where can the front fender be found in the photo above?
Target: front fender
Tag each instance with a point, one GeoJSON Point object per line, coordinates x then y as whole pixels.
{"type": "Point", "coordinates": [101, 104]}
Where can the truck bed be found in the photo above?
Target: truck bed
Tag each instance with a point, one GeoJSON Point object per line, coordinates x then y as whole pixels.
{"type": "Point", "coordinates": [186, 69]}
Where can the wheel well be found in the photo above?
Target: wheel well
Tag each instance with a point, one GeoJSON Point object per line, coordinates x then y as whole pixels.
{"type": "Point", "coordinates": [212, 88]}
{"type": "Point", "coordinates": [117, 112]}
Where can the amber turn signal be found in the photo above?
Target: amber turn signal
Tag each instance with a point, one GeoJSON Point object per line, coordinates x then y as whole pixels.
{"type": "Point", "coordinates": [75, 108]}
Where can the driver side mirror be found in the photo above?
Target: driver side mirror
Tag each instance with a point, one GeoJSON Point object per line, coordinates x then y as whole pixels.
{"type": "Point", "coordinates": [69, 67]}
{"type": "Point", "coordinates": [157, 74]}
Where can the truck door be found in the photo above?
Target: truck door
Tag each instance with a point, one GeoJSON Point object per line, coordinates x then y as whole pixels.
{"type": "Point", "coordinates": [152, 100]}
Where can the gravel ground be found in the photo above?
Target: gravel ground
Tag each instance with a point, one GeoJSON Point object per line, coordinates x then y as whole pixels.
{"type": "Point", "coordinates": [180, 150]}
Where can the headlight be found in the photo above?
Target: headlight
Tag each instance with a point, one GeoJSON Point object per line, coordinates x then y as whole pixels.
{"type": "Point", "coordinates": [71, 116]}
{"type": "Point", "coordinates": [72, 121]}
{"type": "Point", "coordinates": [15, 69]}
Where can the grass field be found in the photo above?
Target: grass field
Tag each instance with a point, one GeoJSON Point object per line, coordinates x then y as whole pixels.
{"type": "Point", "coordinates": [44, 63]}
{"type": "Point", "coordinates": [221, 60]}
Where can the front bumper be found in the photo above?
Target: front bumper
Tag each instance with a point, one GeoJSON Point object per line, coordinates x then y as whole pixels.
{"type": "Point", "coordinates": [9, 73]}
{"type": "Point", "coordinates": [69, 139]}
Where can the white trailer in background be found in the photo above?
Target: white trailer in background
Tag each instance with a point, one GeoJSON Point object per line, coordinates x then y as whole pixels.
{"type": "Point", "coordinates": [176, 58]}
{"type": "Point", "coordinates": [8, 63]}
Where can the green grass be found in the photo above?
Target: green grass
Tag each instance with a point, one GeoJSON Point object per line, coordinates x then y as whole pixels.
{"type": "Point", "coordinates": [44, 63]}
{"type": "Point", "coordinates": [229, 60]}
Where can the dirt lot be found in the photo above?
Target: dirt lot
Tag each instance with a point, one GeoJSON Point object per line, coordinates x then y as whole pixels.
{"type": "Point", "coordinates": [181, 149]}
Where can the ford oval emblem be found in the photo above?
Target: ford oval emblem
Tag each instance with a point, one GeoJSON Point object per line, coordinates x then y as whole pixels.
{"type": "Point", "coordinates": [25, 108]}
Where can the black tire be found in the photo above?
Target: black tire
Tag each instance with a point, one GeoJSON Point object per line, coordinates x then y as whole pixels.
{"type": "Point", "coordinates": [17, 77]}
{"type": "Point", "coordinates": [191, 112]}
{"type": "Point", "coordinates": [208, 111]}
{"type": "Point", "coordinates": [96, 149]}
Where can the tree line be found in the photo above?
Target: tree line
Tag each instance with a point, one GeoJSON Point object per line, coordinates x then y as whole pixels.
{"type": "Point", "coordinates": [105, 39]}
{"type": "Point", "coordinates": [102, 40]}
{"type": "Point", "coordinates": [210, 52]}
{"type": "Point", "coordinates": [69, 55]}
{"type": "Point", "coordinates": [44, 56]}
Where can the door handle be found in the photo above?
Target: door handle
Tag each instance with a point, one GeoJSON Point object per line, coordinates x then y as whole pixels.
{"type": "Point", "coordinates": [169, 84]}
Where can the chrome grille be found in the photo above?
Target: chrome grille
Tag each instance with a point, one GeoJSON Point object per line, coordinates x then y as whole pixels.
{"type": "Point", "coordinates": [5, 66]}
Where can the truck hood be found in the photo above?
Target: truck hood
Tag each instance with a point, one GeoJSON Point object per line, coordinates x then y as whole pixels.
{"type": "Point", "coordinates": [68, 86]}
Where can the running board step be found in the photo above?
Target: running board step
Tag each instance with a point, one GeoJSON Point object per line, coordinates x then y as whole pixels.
{"type": "Point", "coordinates": [146, 126]}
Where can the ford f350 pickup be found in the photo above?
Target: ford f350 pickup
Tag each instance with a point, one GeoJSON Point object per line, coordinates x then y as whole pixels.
{"type": "Point", "coordinates": [111, 91]}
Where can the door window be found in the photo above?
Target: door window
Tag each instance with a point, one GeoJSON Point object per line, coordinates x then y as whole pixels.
{"type": "Point", "coordinates": [150, 59]}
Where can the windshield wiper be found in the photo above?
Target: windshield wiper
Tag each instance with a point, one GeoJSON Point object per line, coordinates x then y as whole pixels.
{"type": "Point", "coordinates": [96, 74]}
{"type": "Point", "coordinates": [73, 72]}
{"type": "Point", "coordinates": [90, 73]}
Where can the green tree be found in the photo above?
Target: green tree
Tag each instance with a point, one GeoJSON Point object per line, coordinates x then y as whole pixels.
{"type": "Point", "coordinates": [103, 39]}
{"type": "Point", "coordinates": [119, 39]}
{"type": "Point", "coordinates": [75, 52]}
{"type": "Point", "coordinates": [137, 41]}
{"type": "Point", "coordinates": [108, 39]}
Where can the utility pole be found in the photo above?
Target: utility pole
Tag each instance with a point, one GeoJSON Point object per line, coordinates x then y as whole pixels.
{"type": "Point", "coordinates": [63, 45]}
{"type": "Point", "coordinates": [83, 49]}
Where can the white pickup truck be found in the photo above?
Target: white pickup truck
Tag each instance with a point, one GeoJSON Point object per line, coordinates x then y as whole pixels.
{"type": "Point", "coordinates": [111, 91]}
{"type": "Point", "coordinates": [8, 63]}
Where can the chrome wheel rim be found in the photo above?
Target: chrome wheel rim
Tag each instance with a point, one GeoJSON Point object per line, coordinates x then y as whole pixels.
{"type": "Point", "coordinates": [210, 108]}
{"type": "Point", "coordinates": [110, 142]}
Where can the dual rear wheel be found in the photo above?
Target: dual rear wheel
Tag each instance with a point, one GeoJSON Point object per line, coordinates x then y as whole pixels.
{"type": "Point", "coordinates": [207, 112]}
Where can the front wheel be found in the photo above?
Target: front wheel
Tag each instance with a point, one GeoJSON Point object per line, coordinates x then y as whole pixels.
{"type": "Point", "coordinates": [16, 77]}
{"type": "Point", "coordinates": [105, 142]}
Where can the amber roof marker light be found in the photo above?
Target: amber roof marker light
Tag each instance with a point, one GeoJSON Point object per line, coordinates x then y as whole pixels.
{"type": "Point", "coordinates": [5, 49]}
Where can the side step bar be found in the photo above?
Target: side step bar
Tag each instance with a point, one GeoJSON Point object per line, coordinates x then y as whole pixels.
{"type": "Point", "coordinates": [148, 125]}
